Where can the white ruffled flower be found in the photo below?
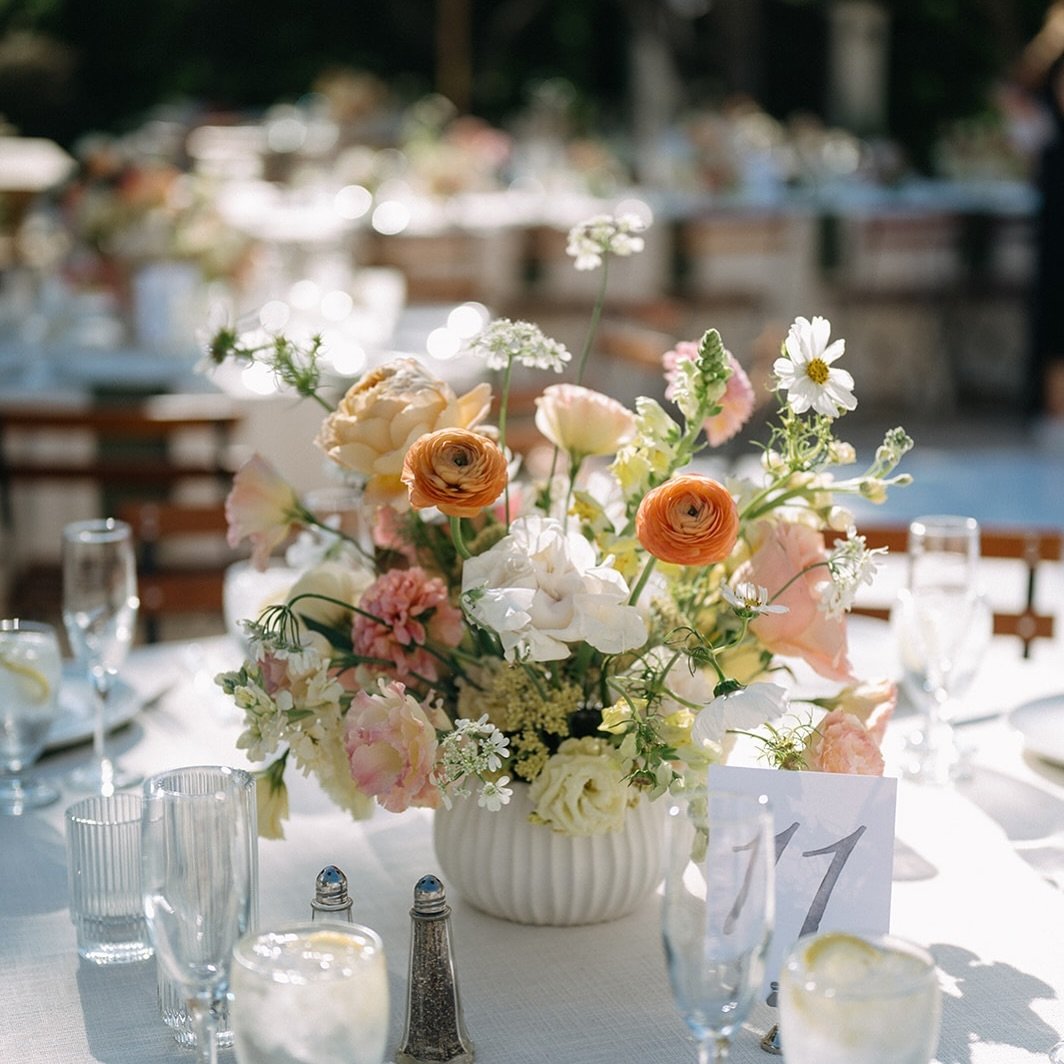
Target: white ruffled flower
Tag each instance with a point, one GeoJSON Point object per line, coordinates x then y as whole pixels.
{"type": "Point", "coordinates": [542, 588]}
{"type": "Point", "coordinates": [604, 234]}
{"type": "Point", "coordinates": [743, 709]}
{"type": "Point", "coordinates": [806, 374]}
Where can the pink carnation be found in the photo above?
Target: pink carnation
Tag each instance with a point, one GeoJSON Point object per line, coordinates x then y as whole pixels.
{"type": "Point", "coordinates": [841, 743]}
{"type": "Point", "coordinates": [390, 739]}
{"type": "Point", "coordinates": [737, 402]}
{"type": "Point", "coordinates": [411, 608]}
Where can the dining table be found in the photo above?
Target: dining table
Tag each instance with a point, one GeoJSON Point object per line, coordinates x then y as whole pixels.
{"type": "Point", "coordinates": [978, 872]}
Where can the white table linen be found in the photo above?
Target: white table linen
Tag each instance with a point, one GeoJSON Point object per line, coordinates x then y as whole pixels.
{"type": "Point", "coordinates": [970, 881]}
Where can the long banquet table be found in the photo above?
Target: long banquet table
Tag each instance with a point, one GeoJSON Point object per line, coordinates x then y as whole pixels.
{"type": "Point", "coordinates": [973, 879]}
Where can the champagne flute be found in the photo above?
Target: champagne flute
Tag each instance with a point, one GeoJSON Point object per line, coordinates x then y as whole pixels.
{"type": "Point", "coordinates": [197, 854]}
{"type": "Point", "coordinates": [30, 671]}
{"type": "Point", "coordinates": [100, 612]}
{"type": "Point", "coordinates": [943, 624]}
{"type": "Point", "coordinates": [717, 912]}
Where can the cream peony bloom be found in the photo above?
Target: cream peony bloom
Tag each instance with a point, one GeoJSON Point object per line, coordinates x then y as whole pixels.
{"type": "Point", "coordinates": [583, 422]}
{"type": "Point", "coordinates": [581, 790]}
{"type": "Point", "coordinates": [384, 413]}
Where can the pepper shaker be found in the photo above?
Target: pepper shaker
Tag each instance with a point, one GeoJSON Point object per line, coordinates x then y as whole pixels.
{"type": "Point", "coordinates": [331, 900]}
{"type": "Point", "coordinates": [435, 1031]}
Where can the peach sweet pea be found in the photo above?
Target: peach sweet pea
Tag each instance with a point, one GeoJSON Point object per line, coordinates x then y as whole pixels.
{"type": "Point", "coordinates": [688, 520]}
{"type": "Point", "coordinates": [390, 740]}
{"type": "Point", "coordinates": [457, 471]}
{"type": "Point", "coordinates": [782, 550]}
{"type": "Point", "coordinates": [384, 413]}
{"type": "Point", "coordinates": [262, 507]}
{"type": "Point", "coordinates": [841, 743]}
{"type": "Point", "coordinates": [583, 422]}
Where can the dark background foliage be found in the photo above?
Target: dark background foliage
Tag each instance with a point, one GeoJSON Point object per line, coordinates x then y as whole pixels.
{"type": "Point", "coordinates": [70, 66]}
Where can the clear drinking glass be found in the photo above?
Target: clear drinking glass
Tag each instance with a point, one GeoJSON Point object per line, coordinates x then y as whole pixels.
{"type": "Point", "coordinates": [30, 673]}
{"type": "Point", "coordinates": [100, 613]}
{"type": "Point", "coordinates": [717, 912]}
{"type": "Point", "coordinates": [197, 884]}
{"type": "Point", "coordinates": [104, 870]}
{"type": "Point", "coordinates": [310, 992]}
{"type": "Point", "coordinates": [943, 624]}
{"type": "Point", "coordinates": [859, 999]}
{"type": "Point", "coordinates": [173, 1004]}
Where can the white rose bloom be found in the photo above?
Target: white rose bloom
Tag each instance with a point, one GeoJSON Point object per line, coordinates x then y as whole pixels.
{"type": "Point", "coordinates": [542, 588]}
{"type": "Point", "coordinates": [581, 790]}
{"type": "Point", "coordinates": [746, 708]}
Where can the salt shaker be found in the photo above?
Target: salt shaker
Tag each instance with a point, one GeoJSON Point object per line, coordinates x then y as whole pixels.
{"type": "Point", "coordinates": [435, 1030]}
{"type": "Point", "coordinates": [331, 900]}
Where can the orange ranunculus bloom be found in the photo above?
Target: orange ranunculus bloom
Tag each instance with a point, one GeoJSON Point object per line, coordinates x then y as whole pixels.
{"type": "Point", "coordinates": [688, 520]}
{"type": "Point", "coordinates": [457, 471]}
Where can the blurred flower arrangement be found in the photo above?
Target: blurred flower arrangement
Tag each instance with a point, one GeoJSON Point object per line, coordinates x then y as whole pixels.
{"type": "Point", "coordinates": [597, 634]}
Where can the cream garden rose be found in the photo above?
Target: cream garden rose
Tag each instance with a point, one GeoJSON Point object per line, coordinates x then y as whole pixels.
{"type": "Point", "coordinates": [384, 413]}
{"type": "Point", "coordinates": [581, 790]}
{"type": "Point", "coordinates": [332, 588]}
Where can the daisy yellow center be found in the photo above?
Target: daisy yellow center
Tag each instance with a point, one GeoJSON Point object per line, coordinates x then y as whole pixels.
{"type": "Point", "coordinates": [817, 371]}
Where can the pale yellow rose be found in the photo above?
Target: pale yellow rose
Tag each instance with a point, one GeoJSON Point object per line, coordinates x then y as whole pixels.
{"type": "Point", "coordinates": [379, 418]}
{"type": "Point", "coordinates": [583, 422]}
{"type": "Point", "coordinates": [581, 790]}
{"type": "Point", "coordinates": [335, 581]}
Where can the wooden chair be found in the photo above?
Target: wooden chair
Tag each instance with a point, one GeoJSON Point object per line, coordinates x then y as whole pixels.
{"type": "Point", "coordinates": [181, 561]}
{"type": "Point", "coordinates": [1031, 547]}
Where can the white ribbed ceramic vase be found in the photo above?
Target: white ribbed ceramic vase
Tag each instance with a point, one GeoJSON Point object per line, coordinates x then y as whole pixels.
{"type": "Point", "coordinates": [505, 866]}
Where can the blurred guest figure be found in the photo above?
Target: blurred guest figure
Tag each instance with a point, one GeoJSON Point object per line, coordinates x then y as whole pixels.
{"type": "Point", "coordinates": [1041, 70]}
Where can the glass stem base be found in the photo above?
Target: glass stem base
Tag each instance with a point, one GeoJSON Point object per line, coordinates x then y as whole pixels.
{"type": "Point", "coordinates": [20, 794]}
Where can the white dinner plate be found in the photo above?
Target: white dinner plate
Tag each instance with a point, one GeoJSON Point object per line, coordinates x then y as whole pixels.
{"type": "Point", "coordinates": [73, 722]}
{"type": "Point", "coordinates": [1041, 723]}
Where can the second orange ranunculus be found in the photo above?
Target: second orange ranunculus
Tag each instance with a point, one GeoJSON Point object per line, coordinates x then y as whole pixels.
{"type": "Point", "coordinates": [688, 520]}
{"type": "Point", "coordinates": [457, 471]}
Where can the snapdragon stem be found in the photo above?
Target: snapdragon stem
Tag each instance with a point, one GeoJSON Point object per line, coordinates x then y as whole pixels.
{"type": "Point", "coordinates": [456, 537]}
{"type": "Point", "coordinates": [596, 314]}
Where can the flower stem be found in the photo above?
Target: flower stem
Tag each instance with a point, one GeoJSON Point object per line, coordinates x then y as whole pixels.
{"type": "Point", "coordinates": [503, 407]}
{"type": "Point", "coordinates": [641, 583]}
{"type": "Point", "coordinates": [592, 326]}
{"type": "Point", "coordinates": [456, 537]}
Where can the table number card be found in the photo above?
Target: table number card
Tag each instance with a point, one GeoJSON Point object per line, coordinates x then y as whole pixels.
{"type": "Point", "coordinates": [834, 851]}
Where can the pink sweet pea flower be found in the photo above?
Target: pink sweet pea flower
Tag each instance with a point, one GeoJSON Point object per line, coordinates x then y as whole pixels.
{"type": "Point", "coordinates": [261, 507]}
{"type": "Point", "coordinates": [783, 549]}
{"type": "Point", "coordinates": [411, 608]}
{"type": "Point", "coordinates": [390, 741]}
{"type": "Point", "coordinates": [841, 743]}
{"type": "Point", "coordinates": [737, 402]}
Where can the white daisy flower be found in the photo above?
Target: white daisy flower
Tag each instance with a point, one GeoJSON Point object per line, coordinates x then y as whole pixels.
{"type": "Point", "coordinates": [749, 599]}
{"type": "Point", "coordinates": [806, 374]}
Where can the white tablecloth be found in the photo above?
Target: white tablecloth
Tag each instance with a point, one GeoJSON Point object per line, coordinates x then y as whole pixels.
{"type": "Point", "coordinates": [970, 881]}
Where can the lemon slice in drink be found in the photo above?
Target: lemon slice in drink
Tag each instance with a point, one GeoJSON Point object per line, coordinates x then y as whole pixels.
{"type": "Point", "coordinates": [839, 958]}
{"type": "Point", "coordinates": [35, 682]}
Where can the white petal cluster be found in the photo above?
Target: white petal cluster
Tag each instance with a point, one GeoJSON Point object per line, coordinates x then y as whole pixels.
{"type": "Point", "coordinates": [542, 589]}
{"type": "Point", "coordinates": [604, 234]}
{"type": "Point", "coordinates": [504, 342]}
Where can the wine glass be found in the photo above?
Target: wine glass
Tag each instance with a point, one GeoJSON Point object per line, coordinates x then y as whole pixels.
{"type": "Point", "coordinates": [197, 855]}
{"type": "Point", "coordinates": [942, 624]}
{"type": "Point", "coordinates": [100, 613]}
{"type": "Point", "coordinates": [717, 911]}
{"type": "Point", "coordinates": [30, 672]}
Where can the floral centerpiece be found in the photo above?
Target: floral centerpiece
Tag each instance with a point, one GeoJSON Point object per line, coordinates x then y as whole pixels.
{"type": "Point", "coordinates": [595, 634]}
